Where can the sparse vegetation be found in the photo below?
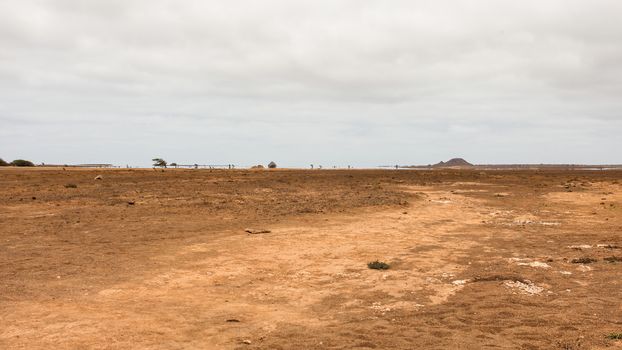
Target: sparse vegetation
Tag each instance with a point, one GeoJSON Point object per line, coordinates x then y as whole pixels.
{"type": "Point", "coordinates": [614, 336]}
{"type": "Point", "coordinates": [378, 265]}
{"type": "Point", "coordinates": [22, 162]}
{"type": "Point", "coordinates": [71, 186]}
{"type": "Point", "coordinates": [584, 260]}
{"type": "Point", "coordinates": [613, 259]}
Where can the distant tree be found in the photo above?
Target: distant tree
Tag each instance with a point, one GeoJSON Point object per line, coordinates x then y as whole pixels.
{"type": "Point", "coordinates": [22, 162]}
{"type": "Point", "coordinates": [3, 163]}
{"type": "Point", "coordinates": [159, 162]}
{"type": "Point", "coordinates": [173, 164]}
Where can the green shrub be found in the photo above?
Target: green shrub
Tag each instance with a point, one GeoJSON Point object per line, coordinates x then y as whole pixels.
{"type": "Point", "coordinates": [21, 162]}
{"type": "Point", "coordinates": [3, 163]}
{"type": "Point", "coordinates": [378, 265]}
{"type": "Point", "coordinates": [614, 335]}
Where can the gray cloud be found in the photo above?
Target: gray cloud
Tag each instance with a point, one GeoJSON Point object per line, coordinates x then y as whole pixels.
{"type": "Point", "coordinates": [332, 82]}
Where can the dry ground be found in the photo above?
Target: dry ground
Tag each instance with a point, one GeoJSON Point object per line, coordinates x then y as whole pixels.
{"type": "Point", "coordinates": [478, 259]}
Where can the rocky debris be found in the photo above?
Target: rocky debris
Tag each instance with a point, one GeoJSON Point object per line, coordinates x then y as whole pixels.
{"type": "Point", "coordinates": [377, 306]}
{"type": "Point", "coordinates": [535, 264]}
{"type": "Point", "coordinates": [607, 246]}
{"type": "Point", "coordinates": [254, 231]}
{"type": "Point", "coordinates": [549, 223]}
{"type": "Point", "coordinates": [526, 287]}
{"type": "Point", "coordinates": [580, 246]}
{"type": "Point", "coordinates": [459, 282]}
{"type": "Point", "coordinates": [584, 268]}
{"type": "Point", "coordinates": [99, 177]}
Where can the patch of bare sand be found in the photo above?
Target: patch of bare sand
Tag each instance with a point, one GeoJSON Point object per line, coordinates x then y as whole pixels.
{"type": "Point", "coordinates": [305, 275]}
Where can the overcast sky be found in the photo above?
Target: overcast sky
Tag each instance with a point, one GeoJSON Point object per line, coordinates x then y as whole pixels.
{"type": "Point", "coordinates": [332, 82]}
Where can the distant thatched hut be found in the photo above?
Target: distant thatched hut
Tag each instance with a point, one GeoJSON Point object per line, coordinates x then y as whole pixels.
{"type": "Point", "coordinates": [272, 165]}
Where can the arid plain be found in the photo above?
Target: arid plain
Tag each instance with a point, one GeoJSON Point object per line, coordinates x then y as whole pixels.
{"type": "Point", "coordinates": [151, 259]}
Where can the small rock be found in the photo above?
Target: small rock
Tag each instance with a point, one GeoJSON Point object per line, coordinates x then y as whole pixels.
{"type": "Point", "coordinates": [526, 287]}
{"type": "Point", "coordinates": [536, 264]}
{"type": "Point", "coordinates": [246, 341]}
{"type": "Point", "coordinates": [253, 231]}
{"type": "Point", "coordinates": [131, 202]}
{"type": "Point", "coordinates": [99, 177]}
{"type": "Point", "coordinates": [584, 268]}
{"type": "Point", "coordinates": [580, 246]}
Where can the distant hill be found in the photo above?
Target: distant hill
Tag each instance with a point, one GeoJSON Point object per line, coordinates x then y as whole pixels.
{"type": "Point", "coordinates": [454, 162]}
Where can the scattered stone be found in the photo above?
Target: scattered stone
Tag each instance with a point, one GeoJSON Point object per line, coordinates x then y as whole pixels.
{"type": "Point", "coordinates": [607, 246]}
{"type": "Point", "coordinates": [549, 223]}
{"type": "Point", "coordinates": [584, 268]}
{"type": "Point", "coordinates": [253, 231]}
{"type": "Point", "coordinates": [99, 177]}
{"type": "Point", "coordinates": [580, 246]}
{"type": "Point", "coordinates": [535, 264]}
{"type": "Point", "coordinates": [526, 287]}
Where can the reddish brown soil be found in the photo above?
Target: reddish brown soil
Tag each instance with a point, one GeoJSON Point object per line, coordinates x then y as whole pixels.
{"type": "Point", "coordinates": [160, 260]}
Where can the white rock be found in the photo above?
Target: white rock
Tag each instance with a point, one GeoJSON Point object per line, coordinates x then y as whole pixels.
{"type": "Point", "coordinates": [528, 288]}
{"type": "Point", "coordinates": [580, 246]}
{"type": "Point", "coordinates": [536, 264]}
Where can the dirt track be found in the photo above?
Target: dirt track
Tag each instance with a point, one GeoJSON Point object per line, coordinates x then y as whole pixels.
{"type": "Point", "coordinates": [478, 259]}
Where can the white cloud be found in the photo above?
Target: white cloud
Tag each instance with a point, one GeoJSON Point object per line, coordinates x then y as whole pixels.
{"type": "Point", "coordinates": [240, 81]}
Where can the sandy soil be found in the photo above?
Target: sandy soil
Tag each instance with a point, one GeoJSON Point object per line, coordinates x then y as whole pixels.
{"type": "Point", "coordinates": [161, 260]}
